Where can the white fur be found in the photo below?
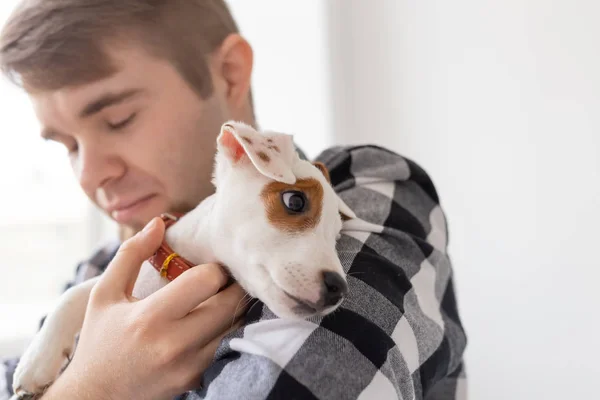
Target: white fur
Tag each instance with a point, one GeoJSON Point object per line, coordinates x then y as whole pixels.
{"type": "Point", "coordinates": [229, 227]}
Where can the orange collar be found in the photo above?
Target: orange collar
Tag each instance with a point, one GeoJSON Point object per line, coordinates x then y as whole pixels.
{"type": "Point", "coordinates": [168, 263]}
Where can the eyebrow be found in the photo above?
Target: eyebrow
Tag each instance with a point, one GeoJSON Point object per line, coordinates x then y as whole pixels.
{"type": "Point", "coordinates": [106, 100]}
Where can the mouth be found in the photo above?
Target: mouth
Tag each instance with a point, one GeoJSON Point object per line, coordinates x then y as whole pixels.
{"type": "Point", "coordinates": [303, 307]}
{"type": "Point", "coordinates": [125, 211]}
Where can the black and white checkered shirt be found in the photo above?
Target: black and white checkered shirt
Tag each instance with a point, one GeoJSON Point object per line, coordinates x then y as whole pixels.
{"type": "Point", "coordinates": [398, 335]}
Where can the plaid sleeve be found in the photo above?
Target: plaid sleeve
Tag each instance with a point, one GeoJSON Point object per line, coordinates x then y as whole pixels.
{"type": "Point", "coordinates": [85, 270]}
{"type": "Point", "coordinates": [398, 335]}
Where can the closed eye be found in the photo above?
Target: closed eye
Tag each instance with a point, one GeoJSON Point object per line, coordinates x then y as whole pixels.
{"type": "Point", "coordinates": [121, 124]}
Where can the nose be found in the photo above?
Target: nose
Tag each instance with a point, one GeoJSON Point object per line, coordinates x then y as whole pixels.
{"type": "Point", "coordinates": [334, 288]}
{"type": "Point", "coordinates": [95, 166]}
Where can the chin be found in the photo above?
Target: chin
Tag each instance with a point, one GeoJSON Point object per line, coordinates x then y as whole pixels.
{"type": "Point", "coordinates": [289, 311]}
{"type": "Point", "coordinates": [282, 306]}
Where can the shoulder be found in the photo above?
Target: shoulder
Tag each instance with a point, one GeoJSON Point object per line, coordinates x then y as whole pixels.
{"type": "Point", "coordinates": [359, 164]}
{"type": "Point", "coordinates": [399, 322]}
{"type": "Point", "coordinates": [385, 188]}
{"type": "Point", "coordinates": [396, 257]}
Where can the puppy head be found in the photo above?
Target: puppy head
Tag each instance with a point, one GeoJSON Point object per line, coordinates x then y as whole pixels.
{"type": "Point", "coordinates": [277, 219]}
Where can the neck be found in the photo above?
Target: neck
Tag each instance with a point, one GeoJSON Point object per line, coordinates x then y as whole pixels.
{"type": "Point", "coordinates": [190, 236]}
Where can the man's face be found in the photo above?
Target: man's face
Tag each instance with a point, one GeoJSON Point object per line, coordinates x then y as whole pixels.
{"type": "Point", "coordinates": [141, 142]}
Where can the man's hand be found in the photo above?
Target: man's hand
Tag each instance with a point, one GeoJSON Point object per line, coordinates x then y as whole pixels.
{"type": "Point", "coordinates": [155, 348]}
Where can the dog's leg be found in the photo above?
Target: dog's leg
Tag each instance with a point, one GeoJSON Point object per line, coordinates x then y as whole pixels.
{"type": "Point", "coordinates": [52, 347]}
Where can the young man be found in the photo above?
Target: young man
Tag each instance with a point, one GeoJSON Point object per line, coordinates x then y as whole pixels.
{"type": "Point", "coordinates": [136, 90]}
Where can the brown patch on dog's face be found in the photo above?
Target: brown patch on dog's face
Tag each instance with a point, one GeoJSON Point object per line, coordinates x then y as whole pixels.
{"type": "Point", "coordinates": [247, 139]}
{"type": "Point", "coordinates": [283, 219]}
{"type": "Point", "coordinates": [263, 156]}
{"type": "Point", "coordinates": [274, 147]}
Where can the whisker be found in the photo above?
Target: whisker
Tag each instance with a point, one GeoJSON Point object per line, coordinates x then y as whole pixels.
{"type": "Point", "coordinates": [238, 306]}
{"type": "Point", "coordinates": [252, 306]}
{"type": "Point", "coordinates": [355, 273]}
{"type": "Point", "coordinates": [250, 299]}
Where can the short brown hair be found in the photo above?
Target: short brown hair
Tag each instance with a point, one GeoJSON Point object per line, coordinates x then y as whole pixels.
{"type": "Point", "coordinates": [50, 44]}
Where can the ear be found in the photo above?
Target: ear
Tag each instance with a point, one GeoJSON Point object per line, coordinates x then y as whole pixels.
{"type": "Point", "coordinates": [228, 144]}
{"type": "Point", "coordinates": [271, 154]}
{"type": "Point", "coordinates": [321, 167]}
{"type": "Point", "coordinates": [236, 59]}
{"type": "Point", "coordinates": [345, 212]}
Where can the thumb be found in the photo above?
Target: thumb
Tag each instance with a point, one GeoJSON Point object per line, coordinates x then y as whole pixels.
{"type": "Point", "coordinates": [118, 280]}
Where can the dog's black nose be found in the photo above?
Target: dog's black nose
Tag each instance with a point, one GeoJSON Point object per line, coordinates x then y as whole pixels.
{"type": "Point", "coordinates": [334, 288]}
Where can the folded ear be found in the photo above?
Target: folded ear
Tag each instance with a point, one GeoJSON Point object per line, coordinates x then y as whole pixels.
{"type": "Point", "coordinates": [272, 154]}
{"type": "Point", "coordinates": [345, 212]}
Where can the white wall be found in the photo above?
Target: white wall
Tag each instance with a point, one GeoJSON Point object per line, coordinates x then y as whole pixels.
{"type": "Point", "coordinates": [500, 102]}
{"type": "Point", "coordinates": [291, 86]}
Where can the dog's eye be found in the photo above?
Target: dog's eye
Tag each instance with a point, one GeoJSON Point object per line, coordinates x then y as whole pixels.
{"type": "Point", "coordinates": [294, 201]}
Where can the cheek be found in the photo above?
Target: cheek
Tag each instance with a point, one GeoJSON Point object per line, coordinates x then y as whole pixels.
{"type": "Point", "coordinates": [254, 279]}
{"type": "Point", "coordinates": [159, 151]}
{"type": "Point", "coordinates": [150, 159]}
{"type": "Point", "coordinates": [180, 134]}
{"type": "Point", "coordinates": [187, 156]}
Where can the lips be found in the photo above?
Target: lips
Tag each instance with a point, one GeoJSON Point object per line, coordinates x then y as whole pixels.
{"type": "Point", "coordinates": [123, 210]}
{"type": "Point", "coordinates": [303, 306]}
{"type": "Point", "coordinates": [121, 205]}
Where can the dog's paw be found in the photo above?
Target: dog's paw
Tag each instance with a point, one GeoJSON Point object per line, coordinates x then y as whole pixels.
{"type": "Point", "coordinates": [40, 365]}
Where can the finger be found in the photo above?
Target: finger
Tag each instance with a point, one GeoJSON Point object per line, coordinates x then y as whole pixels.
{"type": "Point", "coordinates": [185, 293]}
{"type": "Point", "coordinates": [119, 278]}
{"type": "Point", "coordinates": [215, 315]}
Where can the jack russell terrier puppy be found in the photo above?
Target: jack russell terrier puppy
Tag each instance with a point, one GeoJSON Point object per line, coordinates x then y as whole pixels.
{"type": "Point", "coordinates": [273, 221]}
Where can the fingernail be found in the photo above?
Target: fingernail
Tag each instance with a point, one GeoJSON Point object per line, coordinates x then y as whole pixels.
{"type": "Point", "coordinates": [150, 225]}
